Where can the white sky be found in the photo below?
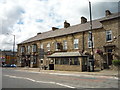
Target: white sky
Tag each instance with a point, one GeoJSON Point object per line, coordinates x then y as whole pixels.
{"type": "Point", "coordinates": [25, 18]}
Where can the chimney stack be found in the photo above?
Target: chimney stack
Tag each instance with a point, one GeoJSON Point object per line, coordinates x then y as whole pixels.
{"type": "Point", "coordinates": [83, 20]}
{"type": "Point", "coordinates": [39, 33]}
{"type": "Point", "coordinates": [107, 13]}
{"type": "Point", "coordinates": [54, 28]}
{"type": "Point", "coordinates": [66, 24]}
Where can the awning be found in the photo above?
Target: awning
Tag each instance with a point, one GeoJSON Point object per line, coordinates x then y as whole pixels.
{"type": "Point", "coordinates": [66, 54]}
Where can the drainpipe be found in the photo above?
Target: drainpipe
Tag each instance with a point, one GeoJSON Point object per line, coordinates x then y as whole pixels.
{"type": "Point", "coordinates": [83, 47]}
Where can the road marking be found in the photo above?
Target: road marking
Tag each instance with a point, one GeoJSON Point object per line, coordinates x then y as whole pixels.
{"type": "Point", "coordinates": [39, 81]}
{"type": "Point", "coordinates": [77, 75]}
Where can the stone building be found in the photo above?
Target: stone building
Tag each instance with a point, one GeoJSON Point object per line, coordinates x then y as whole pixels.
{"type": "Point", "coordinates": [70, 48]}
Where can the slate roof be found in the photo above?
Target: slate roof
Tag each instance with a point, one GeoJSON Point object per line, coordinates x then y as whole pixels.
{"type": "Point", "coordinates": [114, 15]}
{"type": "Point", "coordinates": [65, 54]}
{"type": "Point", "coordinates": [70, 30]}
{"type": "Point", "coordinates": [9, 53]}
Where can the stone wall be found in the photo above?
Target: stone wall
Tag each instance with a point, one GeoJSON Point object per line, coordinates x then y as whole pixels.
{"type": "Point", "coordinates": [99, 41]}
{"type": "Point", "coordinates": [67, 67]}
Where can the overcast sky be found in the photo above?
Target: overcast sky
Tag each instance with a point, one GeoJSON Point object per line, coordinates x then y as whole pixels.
{"type": "Point", "coordinates": [25, 18]}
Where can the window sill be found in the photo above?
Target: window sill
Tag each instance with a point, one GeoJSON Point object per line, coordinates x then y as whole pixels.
{"type": "Point", "coordinates": [76, 48]}
{"type": "Point", "coordinates": [90, 47]}
{"type": "Point", "coordinates": [109, 41]}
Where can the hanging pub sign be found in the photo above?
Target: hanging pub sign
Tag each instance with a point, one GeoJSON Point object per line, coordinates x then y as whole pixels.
{"type": "Point", "coordinates": [90, 35]}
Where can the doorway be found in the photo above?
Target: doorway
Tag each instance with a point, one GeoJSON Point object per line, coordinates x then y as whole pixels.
{"type": "Point", "coordinates": [51, 66]}
{"type": "Point", "coordinates": [109, 56]}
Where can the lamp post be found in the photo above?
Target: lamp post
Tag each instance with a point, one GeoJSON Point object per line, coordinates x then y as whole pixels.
{"type": "Point", "coordinates": [13, 46]}
{"type": "Point", "coordinates": [14, 49]}
{"type": "Point", "coordinates": [91, 39]}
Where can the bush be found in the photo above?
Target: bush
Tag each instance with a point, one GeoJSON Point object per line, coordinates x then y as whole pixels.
{"type": "Point", "coordinates": [116, 62]}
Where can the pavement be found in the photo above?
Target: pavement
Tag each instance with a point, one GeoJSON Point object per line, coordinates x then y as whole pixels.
{"type": "Point", "coordinates": [97, 72]}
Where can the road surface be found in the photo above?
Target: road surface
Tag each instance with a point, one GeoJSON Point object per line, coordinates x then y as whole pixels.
{"type": "Point", "coordinates": [12, 78]}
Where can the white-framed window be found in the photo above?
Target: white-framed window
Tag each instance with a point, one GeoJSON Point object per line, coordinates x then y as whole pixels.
{"type": "Point", "coordinates": [41, 46]}
{"type": "Point", "coordinates": [48, 46]}
{"type": "Point", "coordinates": [76, 42]}
{"type": "Point", "coordinates": [108, 35]}
{"type": "Point", "coordinates": [28, 49]}
{"type": "Point", "coordinates": [64, 45]}
{"type": "Point", "coordinates": [34, 48]}
{"type": "Point", "coordinates": [56, 46]}
{"type": "Point", "coordinates": [90, 42]}
{"type": "Point", "coordinates": [22, 49]}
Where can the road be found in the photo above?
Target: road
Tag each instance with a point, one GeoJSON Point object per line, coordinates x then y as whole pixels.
{"type": "Point", "coordinates": [12, 78]}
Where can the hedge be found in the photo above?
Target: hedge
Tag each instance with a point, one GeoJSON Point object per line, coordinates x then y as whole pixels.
{"type": "Point", "coordinates": [116, 62]}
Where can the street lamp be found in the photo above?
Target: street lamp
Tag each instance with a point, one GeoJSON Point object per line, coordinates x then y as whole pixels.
{"type": "Point", "coordinates": [13, 46]}
{"type": "Point", "coordinates": [90, 33]}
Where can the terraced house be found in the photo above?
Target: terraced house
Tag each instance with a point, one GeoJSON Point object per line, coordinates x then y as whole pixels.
{"type": "Point", "coordinates": [69, 48]}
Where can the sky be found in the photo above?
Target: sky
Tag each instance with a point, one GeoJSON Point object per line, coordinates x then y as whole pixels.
{"type": "Point", "coordinates": [26, 18]}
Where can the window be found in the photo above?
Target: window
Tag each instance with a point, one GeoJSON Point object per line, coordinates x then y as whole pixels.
{"type": "Point", "coordinates": [22, 49]}
{"type": "Point", "coordinates": [76, 43]}
{"type": "Point", "coordinates": [56, 46]}
{"type": "Point", "coordinates": [109, 35]}
{"type": "Point", "coordinates": [62, 61]}
{"type": "Point", "coordinates": [90, 42]}
{"type": "Point", "coordinates": [64, 45]}
{"type": "Point", "coordinates": [65, 61]}
{"type": "Point", "coordinates": [28, 49]}
{"type": "Point", "coordinates": [48, 46]}
{"type": "Point", "coordinates": [41, 46]}
{"type": "Point", "coordinates": [34, 59]}
{"type": "Point", "coordinates": [41, 51]}
{"type": "Point", "coordinates": [57, 60]}
{"type": "Point", "coordinates": [34, 48]}
{"type": "Point", "coordinates": [74, 61]}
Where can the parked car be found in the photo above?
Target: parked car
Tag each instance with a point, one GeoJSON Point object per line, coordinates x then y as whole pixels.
{"type": "Point", "coordinates": [13, 65]}
{"type": "Point", "coordinates": [9, 65]}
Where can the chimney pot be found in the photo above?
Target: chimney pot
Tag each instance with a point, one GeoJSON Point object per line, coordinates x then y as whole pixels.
{"type": "Point", "coordinates": [66, 24]}
{"type": "Point", "coordinates": [83, 20]}
{"type": "Point", "coordinates": [107, 12]}
{"type": "Point", "coordinates": [54, 28]}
